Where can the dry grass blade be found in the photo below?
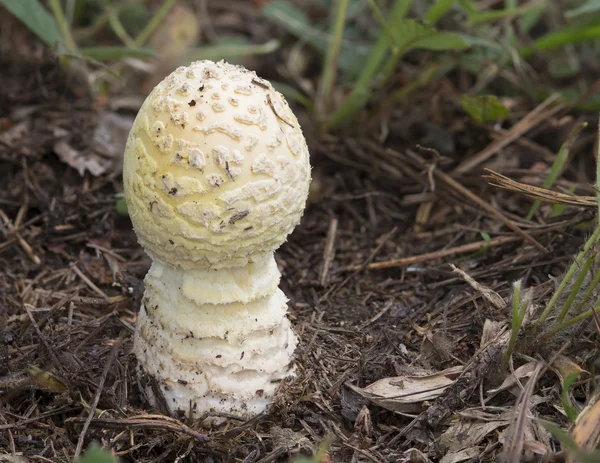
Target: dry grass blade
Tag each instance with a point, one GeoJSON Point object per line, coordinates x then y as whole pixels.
{"type": "Point", "coordinates": [542, 194]}
{"type": "Point", "coordinates": [539, 114]}
{"type": "Point", "coordinates": [492, 296]}
{"type": "Point", "coordinates": [415, 159]}
{"type": "Point", "coordinates": [143, 422]}
{"type": "Point", "coordinates": [94, 404]}
{"type": "Point", "coordinates": [515, 438]}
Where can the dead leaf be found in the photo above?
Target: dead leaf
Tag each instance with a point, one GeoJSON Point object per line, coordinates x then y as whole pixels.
{"type": "Point", "coordinates": [586, 432]}
{"type": "Point", "coordinates": [110, 135]}
{"type": "Point", "coordinates": [521, 429]}
{"type": "Point", "coordinates": [463, 455]}
{"type": "Point", "coordinates": [436, 348]}
{"type": "Point", "coordinates": [415, 456]}
{"type": "Point", "coordinates": [79, 161]}
{"type": "Point", "coordinates": [563, 366]}
{"type": "Point", "coordinates": [466, 433]}
{"type": "Point", "coordinates": [491, 330]}
{"type": "Point", "coordinates": [515, 380]}
{"type": "Point", "coordinates": [406, 394]}
{"type": "Point", "coordinates": [105, 151]}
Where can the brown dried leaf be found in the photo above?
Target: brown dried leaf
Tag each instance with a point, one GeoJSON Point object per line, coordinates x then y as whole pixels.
{"type": "Point", "coordinates": [586, 432]}
{"type": "Point", "coordinates": [491, 331]}
{"type": "Point", "coordinates": [463, 455]}
{"type": "Point", "coordinates": [80, 161]}
{"type": "Point", "coordinates": [465, 433]}
{"type": "Point", "coordinates": [520, 375]}
{"type": "Point", "coordinates": [405, 394]}
{"type": "Point", "coordinates": [563, 366]}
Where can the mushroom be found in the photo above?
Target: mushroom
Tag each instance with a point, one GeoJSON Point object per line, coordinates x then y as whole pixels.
{"type": "Point", "coordinates": [216, 175]}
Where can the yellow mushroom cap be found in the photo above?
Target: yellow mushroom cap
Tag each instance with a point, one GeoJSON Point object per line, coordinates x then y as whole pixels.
{"type": "Point", "coordinates": [216, 169]}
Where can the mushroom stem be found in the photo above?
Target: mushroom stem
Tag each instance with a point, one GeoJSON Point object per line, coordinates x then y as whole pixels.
{"type": "Point", "coordinates": [213, 340]}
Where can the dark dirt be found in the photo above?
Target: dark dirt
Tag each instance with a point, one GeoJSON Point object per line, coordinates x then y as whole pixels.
{"type": "Point", "coordinates": [71, 281]}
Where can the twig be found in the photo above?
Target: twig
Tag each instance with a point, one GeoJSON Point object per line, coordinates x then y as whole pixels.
{"type": "Point", "coordinates": [541, 194]}
{"type": "Point", "coordinates": [329, 251]}
{"type": "Point", "coordinates": [536, 116]}
{"type": "Point", "coordinates": [24, 244]}
{"type": "Point", "coordinates": [465, 248]}
{"type": "Point", "coordinates": [83, 299]}
{"type": "Point", "coordinates": [88, 282]}
{"type": "Point", "coordinates": [486, 206]}
{"type": "Point", "coordinates": [364, 265]}
{"type": "Point", "coordinates": [143, 422]}
{"type": "Point", "coordinates": [86, 425]}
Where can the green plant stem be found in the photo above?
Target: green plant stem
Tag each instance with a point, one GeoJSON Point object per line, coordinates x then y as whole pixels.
{"type": "Point", "coordinates": [63, 25]}
{"type": "Point", "coordinates": [154, 22]}
{"type": "Point", "coordinates": [588, 293]}
{"type": "Point", "coordinates": [575, 289]}
{"type": "Point", "coordinates": [571, 321]}
{"type": "Point", "coordinates": [385, 27]}
{"type": "Point", "coordinates": [330, 65]}
{"type": "Point", "coordinates": [567, 278]}
{"type": "Point", "coordinates": [359, 96]}
{"type": "Point", "coordinates": [94, 28]}
{"type": "Point", "coordinates": [118, 29]}
{"type": "Point", "coordinates": [437, 11]}
{"type": "Point", "coordinates": [518, 314]}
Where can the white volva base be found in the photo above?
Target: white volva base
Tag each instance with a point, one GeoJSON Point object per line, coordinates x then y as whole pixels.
{"type": "Point", "coordinates": [200, 349]}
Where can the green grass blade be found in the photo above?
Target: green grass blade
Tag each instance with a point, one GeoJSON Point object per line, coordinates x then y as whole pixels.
{"type": "Point", "coordinates": [330, 63]}
{"type": "Point", "coordinates": [37, 19]}
{"type": "Point", "coordinates": [579, 31]}
{"type": "Point", "coordinates": [231, 50]}
{"type": "Point", "coordinates": [591, 6]}
{"type": "Point", "coordinates": [494, 15]}
{"type": "Point", "coordinates": [519, 308]}
{"type": "Point", "coordinates": [154, 22]}
{"type": "Point", "coordinates": [570, 273]}
{"type": "Point", "coordinates": [116, 53]}
{"type": "Point", "coordinates": [437, 11]}
{"type": "Point", "coordinates": [359, 96]}
{"type": "Point", "coordinates": [570, 410]}
{"type": "Point", "coordinates": [63, 24]}
{"type": "Point", "coordinates": [558, 165]}
{"type": "Point", "coordinates": [575, 290]}
{"type": "Point", "coordinates": [118, 28]}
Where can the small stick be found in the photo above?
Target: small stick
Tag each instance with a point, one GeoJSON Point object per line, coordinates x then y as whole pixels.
{"type": "Point", "coordinates": [329, 251]}
{"type": "Point", "coordinates": [405, 261]}
{"type": "Point", "coordinates": [94, 404]}
{"type": "Point", "coordinates": [24, 244]}
{"type": "Point", "coordinates": [143, 422]}
{"type": "Point", "coordinates": [536, 116]}
{"type": "Point", "coordinates": [83, 299]}
{"type": "Point", "coordinates": [486, 206]}
{"type": "Point", "coordinates": [365, 265]}
{"type": "Point", "coordinates": [88, 282]}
